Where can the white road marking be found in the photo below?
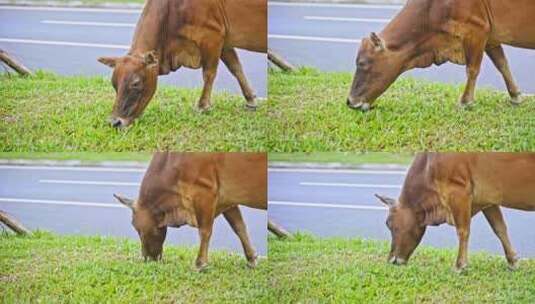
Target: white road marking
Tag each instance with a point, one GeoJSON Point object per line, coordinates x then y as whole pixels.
{"type": "Point", "coordinates": [70, 9]}
{"type": "Point", "coordinates": [55, 202]}
{"type": "Point", "coordinates": [336, 5]}
{"type": "Point", "coordinates": [82, 182]}
{"type": "Point", "coordinates": [61, 168]}
{"type": "Point", "coordinates": [89, 23]}
{"type": "Point", "coordinates": [369, 20]}
{"type": "Point", "coordinates": [339, 171]}
{"type": "Point", "coordinates": [321, 205]}
{"type": "Point", "coordinates": [313, 38]}
{"type": "Point", "coordinates": [65, 43]}
{"type": "Point", "coordinates": [351, 185]}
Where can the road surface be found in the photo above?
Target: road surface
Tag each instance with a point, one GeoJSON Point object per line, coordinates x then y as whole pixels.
{"type": "Point", "coordinates": [327, 36]}
{"type": "Point", "coordinates": [68, 41]}
{"type": "Point", "coordinates": [334, 203]}
{"type": "Point", "coordinates": [78, 200]}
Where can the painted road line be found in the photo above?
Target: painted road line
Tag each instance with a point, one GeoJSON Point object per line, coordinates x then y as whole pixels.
{"type": "Point", "coordinates": [313, 38]}
{"type": "Point", "coordinates": [69, 9]}
{"type": "Point", "coordinates": [350, 185]}
{"type": "Point", "coordinates": [320, 205]}
{"type": "Point", "coordinates": [54, 202]}
{"type": "Point", "coordinates": [339, 171]}
{"type": "Point", "coordinates": [368, 20]}
{"type": "Point", "coordinates": [82, 182]}
{"type": "Point", "coordinates": [65, 43]}
{"type": "Point", "coordinates": [88, 23]}
{"type": "Point", "coordinates": [61, 168]}
{"type": "Point", "coordinates": [336, 5]}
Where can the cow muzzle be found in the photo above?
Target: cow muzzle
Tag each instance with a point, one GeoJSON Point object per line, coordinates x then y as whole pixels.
{"type": "Point", "coordinates": [397, 261]}
{"type": "Point", "coordinates": [118, 122]}
{"type": "Point", "coordinates": [360, 105]}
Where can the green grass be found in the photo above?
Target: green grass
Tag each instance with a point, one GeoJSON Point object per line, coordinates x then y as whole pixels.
{"type": "Point", "coordinates": [46, 268]}
{"type": "Point", "coordinates": [50, 113]}
{"type": "Point", "coordinates": [309, 270]}
{"type": "Point", "coordinates": [352, 158]}
{"type": "Point", "coordinates": [309, 113]}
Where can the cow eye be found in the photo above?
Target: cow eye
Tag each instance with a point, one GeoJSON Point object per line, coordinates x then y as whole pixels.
{"type": "Point", "coordinates": [136, 84]}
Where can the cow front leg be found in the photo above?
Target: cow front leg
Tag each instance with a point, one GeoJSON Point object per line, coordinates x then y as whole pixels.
{"type": "Point", "coordinates": [210, 60]}
{"type": "Point", "coordinates": [231, 60]}
{"type": "Point", "coordinates": [497, 56]}
{"type": "Point", "coordinates": [205, 232]}
{"type": "Point", "coordinates": [235, 219]}
{"type": "Point", "coordinates": [473, 56]}
{"type": "Point", "coordinates": [460, 205]}
{"type": "Point", "coordinates": [495, 218]}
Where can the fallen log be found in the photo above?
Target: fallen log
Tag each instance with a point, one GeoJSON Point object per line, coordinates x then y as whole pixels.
{"type": "Point", "coordinates": [278, 230]}
{"type": "Point", "coordinates": [280, 62]}
{"type": "Point", "coordinates": [14, 64]}
{"type": "Point", "coordinates": [13, 224]}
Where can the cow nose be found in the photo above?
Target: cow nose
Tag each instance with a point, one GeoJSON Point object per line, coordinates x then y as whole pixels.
{"type": "Point", "coordinates": [116, 122]}
{"type": "Point", "coordinates": [348, 103]}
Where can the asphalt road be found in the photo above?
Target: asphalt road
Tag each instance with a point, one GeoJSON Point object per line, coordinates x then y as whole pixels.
{"type": "Point", "coordinates": [68, 41]}
{"type": "Point", "coordinates": [334, 203]}
{"type": "Point", "coordinates": [78, 200]}
{"type": "Point", "coordinates": [326, 36]}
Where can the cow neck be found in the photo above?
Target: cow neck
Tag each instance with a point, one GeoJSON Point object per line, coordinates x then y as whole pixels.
{"type": "Point", "coordinates": [150, 31]}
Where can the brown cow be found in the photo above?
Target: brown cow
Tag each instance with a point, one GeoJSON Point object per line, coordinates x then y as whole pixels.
{"type": "Point", "coordinates": [453, 187]}
{"type": "Point", "coordinates": [193, 189]}
{"type": "Point", "coordinates": [427, 32]}
{"type": "Point", "coordinates": [191, 33]}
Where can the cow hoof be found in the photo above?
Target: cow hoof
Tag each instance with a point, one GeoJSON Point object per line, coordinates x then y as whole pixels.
{"type": "Point", "coordinates": [466, 105]}
{"type": "Point", "coordinates": [203, 108]}
{"type": "Point", "coordinates": [251, 107]}
{"type": "Point", "coordinates": [513, 265]}
{"type": "Point", "coordinates": [460, 268]}
{"type": "Point", "coordinates": [252, 263]}
{"type": "Point", "coordinates": [201, 267]}
{"type": "Point", "coordinates": [363, 106]}
{"type": "Point", "coordinates": [516, 100]}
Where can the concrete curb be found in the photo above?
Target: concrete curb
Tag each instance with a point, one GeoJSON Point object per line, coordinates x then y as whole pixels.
{"type": "Point", "coordinates": [72, 163]}
{"type": "Point", "coordinates": [337, 166]}
{"type": "Point", "coordinates": [138, 164]}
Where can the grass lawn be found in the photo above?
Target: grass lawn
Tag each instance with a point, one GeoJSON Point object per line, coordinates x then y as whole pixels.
{"type": "Point", "coordinates": [309, 113]}
{"type": "Point", "coordinates": [352, 158]}
{"type": "Point", "coordinates": [50, 113]}
{"type": "Point", "coordinates": [309, 270]}
{"type": "Point", "coordinates": [83, 156]}
{"type": "Point", "coordinates": [46, 268]}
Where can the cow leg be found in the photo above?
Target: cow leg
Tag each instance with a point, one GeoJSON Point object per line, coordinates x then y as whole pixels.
{"type": "Point", "coordinates": [205, 222]}
{"type": "Point", "coordinates": [497, 56]}
{"type": "Point", "coordinates": [234, 218]}
{"type": "Point", "coordinates": [495, 218]}
{"type": "Point", "coordinates": [460, 205]}
{"type": "Point", "coordinates": [210, 57]}
{"type": "Point", "coordinates": [231, 60]}
{"type": "Point", "coordinates": [473, 55]}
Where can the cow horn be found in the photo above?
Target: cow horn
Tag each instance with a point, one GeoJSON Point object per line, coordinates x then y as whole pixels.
{"type": "Point", "coordinates": [125, 201]}
{"type": "Point", "coordinates": [390, 202]}
{"type": "Point", "coordinates": [377, 41]}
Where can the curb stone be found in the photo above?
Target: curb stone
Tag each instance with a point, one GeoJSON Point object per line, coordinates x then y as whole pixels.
{"type": "Point", "coordinates": [138, 164]}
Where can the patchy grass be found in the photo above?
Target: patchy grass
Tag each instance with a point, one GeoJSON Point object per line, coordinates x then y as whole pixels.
{"type": "Point", "coordinates": [84, 156]}
{"type": "Point", "coordinates": [308, 113]}
{"type": "Point", "coordinates": [352, 158]}
{"type": "Point", "coordinates": [46, 268]}
{"type": "Point", "coordinates": [310, 270]}
{"type": "Point", "coordinates": [54, 113]}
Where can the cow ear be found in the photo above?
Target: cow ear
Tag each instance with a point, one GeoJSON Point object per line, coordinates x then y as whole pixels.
{"type": "Point", "coordinates": [125, 201]}
{"type": "Point", "coordinates": [389, 202]}
{"type": "Point", "coordinates": [109, 61]}
{"type": "Point", "coordinates": [150, 58]}
{"type": "Point", "coordinates": [377, 41]}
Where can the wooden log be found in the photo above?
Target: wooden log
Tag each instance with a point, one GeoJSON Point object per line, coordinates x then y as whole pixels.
{"type": "Point", "coordinates": [13, 224]}
{"type": "Point", "coordinates": [280, 62]}
{"type": "Point", "coordinates": [14, 64]}
{"type": "Point", "coordinates": [278, 230]}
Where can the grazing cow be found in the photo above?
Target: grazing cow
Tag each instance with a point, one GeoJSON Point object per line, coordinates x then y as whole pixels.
{"type": "Point", "coordinates": [427, 32]}
{"type": "Point", "coordinates": [453, 187]}
{"type": "Point", "coordinates": [193, 189]}
{"type": "Point", "coordinates": [190, 33]}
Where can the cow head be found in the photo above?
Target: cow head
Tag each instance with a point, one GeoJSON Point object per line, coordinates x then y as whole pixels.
{"type": "Point", "coordinates": [377, 68]}
{"type": "Point", "coordinates": [134, 80]}
{"type": "Point", "coordinates": [405, 229]}
{"type": "Point", "coordinates": [151, 233]}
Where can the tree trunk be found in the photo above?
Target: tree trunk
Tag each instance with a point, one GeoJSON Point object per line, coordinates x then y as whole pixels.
{"type": "Point", "coordinates": [13, 224]}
